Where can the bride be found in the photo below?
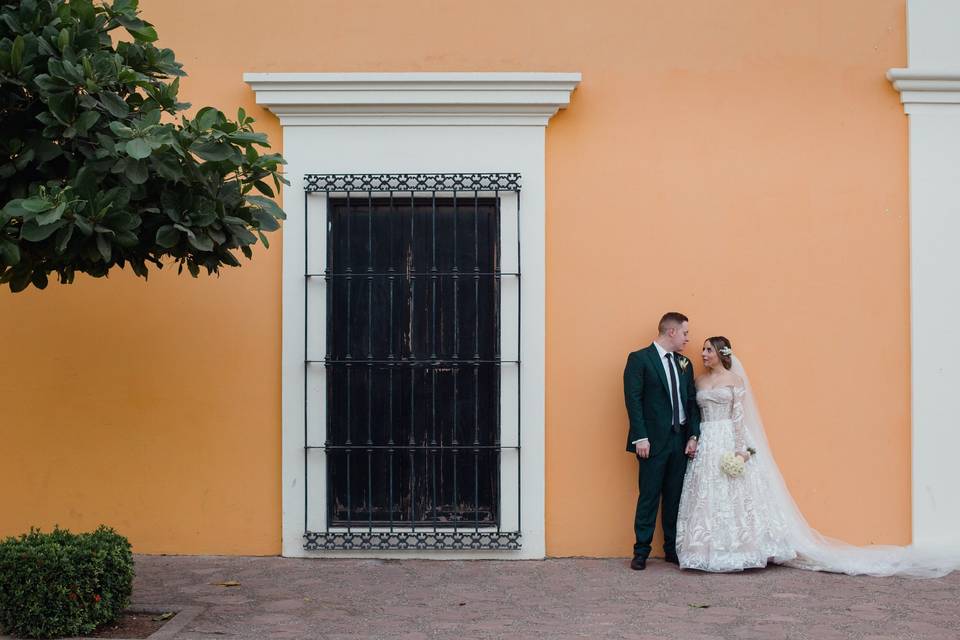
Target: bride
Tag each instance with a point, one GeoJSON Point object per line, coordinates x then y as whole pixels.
{"type": "Point", "coordinates": [735, 522]}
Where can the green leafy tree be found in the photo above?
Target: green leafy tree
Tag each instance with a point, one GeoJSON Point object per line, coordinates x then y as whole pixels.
{"type": "Point", "coordinates": [97, 172]}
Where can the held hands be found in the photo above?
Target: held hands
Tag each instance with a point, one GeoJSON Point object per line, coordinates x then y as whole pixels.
{"type": "Point", "coordinates": [743, 455]}
{"type": "Point", "coordinates": [691, 450]}
{"type": "Point", "coordinates": [643, 449]}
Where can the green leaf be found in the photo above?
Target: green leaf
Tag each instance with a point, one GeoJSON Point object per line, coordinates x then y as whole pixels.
{"type": "Point", "coordinates": [51, 85]}
{"type": "Point", "coordinates": [136, 172]}
{"type": "Point", "coordinates": [84, 225]}
{"type": "Point", "coordinates": [16, 54]}
{"type": "Point", "coordinates": [86, 120]}
{"type": "Point", "coordinates": [266, 221]}
{"type": "Point", "coordinates": [207, 117]}
{"type": "Point", "coordinates": [63, 238]}
{"type": "Point", "coordinates": [151, 118]}
{"type": "Point", "coordinates": [36, 233]}
{"type": "Point", "coordinates": [268, 205]}
{"type": "Point", "coordinates": [114, 104]}
{"type": "Point", "coordinates": [127, 239]}
{"type": "Point", "coordinates": [53, 215]}
{"type": "Point", "coordinates": [167, 236]}
{"type": "Point", "coordinates": [9, 252]}
{"type": "Point", "coordinates": [120, 221]}
{"type": "Point", "coordinates": [20, 279]}
{"type": "Point", "coordinates": [212, 151]}
{"type": "Point", "coordinates": [121, 130]}
{"type": "Point", "coordinates": [63, 106]}
{"type": "Point", "coordinates": [11, 21]}
{"type": "Point", "coordinates": [249, 137]}
{"type": "Point", "coordinates": [138, 148]}
{"type": "Point", "coordinates": [24, 159]}
{"type": "Point", "coordinates": [83, 9]}
{"type": "Point", "coordinates": [202, 219]}
{"type": "Point", "coordinates": [186, 230]}
{"type": "Point", "coordinates": [85, 182]}
{"type": "Point", "coordinates": [103, 246]}
{"type": "Point", "coordinates": [15, 209]}
{"type": "Point", "coordinates": [63, 40]}
{"type": "Point", "coordinates": [203, 243]}
{"type": "Point", "coordinates": [44, 48]}
{"type": "Point", "coordinates": [264, 188]}
{"type": "Point", "coordinates": [168, 166]}
{"type": "Point", "coordinates": [243, 235]}
{"type": "Point", "coordinates": [36, 205]}
{"type": "Point", "coordinates": [39, 279]}
{"type": "Point", "coordinates": [73, 73]}
{"type": "Point", "coordinates": [125, 6]}
{"type": "Point", "coordinates": [143, 34]}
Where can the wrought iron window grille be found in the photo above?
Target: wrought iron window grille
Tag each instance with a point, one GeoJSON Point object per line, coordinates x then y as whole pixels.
{"type": "Point", "coordinates": [413, 371]}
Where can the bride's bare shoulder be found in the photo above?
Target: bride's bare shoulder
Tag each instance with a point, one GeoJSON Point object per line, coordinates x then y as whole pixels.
{"type": "Point", "coordinates": [730, 379]}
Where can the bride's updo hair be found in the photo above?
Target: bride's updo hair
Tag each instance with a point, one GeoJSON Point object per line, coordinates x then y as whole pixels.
{"type": "Point", "coordinates": [724, 350]}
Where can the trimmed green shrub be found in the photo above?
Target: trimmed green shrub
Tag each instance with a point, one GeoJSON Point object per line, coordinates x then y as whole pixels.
{"type": "Point", "coordinates": [63, 584]}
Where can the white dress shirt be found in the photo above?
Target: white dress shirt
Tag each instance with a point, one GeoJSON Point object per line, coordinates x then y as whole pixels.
{"type": "Point", "coordinates": [666, 369]}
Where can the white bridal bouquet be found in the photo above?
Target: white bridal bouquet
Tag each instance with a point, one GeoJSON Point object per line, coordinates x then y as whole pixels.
{"type": "Point", "coordinates": [733, 465]}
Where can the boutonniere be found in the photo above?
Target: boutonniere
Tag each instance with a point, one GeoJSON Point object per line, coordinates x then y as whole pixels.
{"type": "Point", "coordinates": [684, 363]}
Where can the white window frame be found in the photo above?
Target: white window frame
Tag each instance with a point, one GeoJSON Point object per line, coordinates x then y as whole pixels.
{"type": "Point", "coordinates": [415, 123]}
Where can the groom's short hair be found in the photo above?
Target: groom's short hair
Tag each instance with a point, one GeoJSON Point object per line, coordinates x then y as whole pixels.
{"type": "Point", "coordinates": [670, 320]}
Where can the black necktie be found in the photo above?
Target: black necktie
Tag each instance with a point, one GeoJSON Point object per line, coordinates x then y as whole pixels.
{"type": "Point", "coordinates": [674, 398]}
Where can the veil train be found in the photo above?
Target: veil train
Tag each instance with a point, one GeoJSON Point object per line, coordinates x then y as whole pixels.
{"type": "Point", "coordinates": [817, 552]}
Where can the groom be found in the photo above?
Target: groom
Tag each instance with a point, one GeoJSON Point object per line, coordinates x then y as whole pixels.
{"type": "Point", "coordinates": [661, 402]}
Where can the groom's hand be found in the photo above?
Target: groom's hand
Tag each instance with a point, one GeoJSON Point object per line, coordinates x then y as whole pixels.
{"type": "Point", "coordinates": [643, 449]}
{"type": "Point", "coordinates": [691, 450]}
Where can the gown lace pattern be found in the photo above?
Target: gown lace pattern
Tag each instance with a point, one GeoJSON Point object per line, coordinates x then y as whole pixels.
{"type": "Point", "coordinates": [727, 524]}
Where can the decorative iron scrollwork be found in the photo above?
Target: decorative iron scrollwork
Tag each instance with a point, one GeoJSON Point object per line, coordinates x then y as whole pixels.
{"type": "Point", "coordinates": [413, 540]}
{"type": "Point", "coordinates": [417, 182]}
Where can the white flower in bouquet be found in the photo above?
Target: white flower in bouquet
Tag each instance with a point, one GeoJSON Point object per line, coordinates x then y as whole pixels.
{"type": "Point", "coordinates": [732, 465]}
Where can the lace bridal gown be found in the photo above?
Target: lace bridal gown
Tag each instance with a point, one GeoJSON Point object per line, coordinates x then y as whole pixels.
{"type": "Point", "coordinates": [726, 524]}
{"type": "Point", "coordinates": [730, 524]}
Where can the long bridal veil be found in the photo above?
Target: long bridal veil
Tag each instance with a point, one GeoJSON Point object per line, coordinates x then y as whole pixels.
{"type": "Point", "coordinates": [817, 552]}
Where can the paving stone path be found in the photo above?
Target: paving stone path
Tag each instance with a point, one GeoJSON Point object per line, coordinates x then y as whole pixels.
{"type": "Point", "coordinates": [562, 598]}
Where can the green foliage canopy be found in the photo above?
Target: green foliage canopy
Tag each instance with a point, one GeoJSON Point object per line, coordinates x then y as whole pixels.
{"type": "Point", "coordinates": [95, 170]}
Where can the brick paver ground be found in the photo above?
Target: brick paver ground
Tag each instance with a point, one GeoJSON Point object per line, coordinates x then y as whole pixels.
{"type": "Point", "coordinates": [568, 598]}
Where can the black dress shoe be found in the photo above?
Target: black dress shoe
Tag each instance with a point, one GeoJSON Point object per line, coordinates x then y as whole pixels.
{"type": "Point", "coordinates": [639, 563]}
{"type": "Point", "coordinates": [672, 557]}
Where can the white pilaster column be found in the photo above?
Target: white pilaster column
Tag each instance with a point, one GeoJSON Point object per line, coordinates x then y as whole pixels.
{"type": "Point", "coordinates": [930, 91]}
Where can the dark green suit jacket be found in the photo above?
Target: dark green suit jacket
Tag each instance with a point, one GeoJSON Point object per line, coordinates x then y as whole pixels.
{"type": "Point", "coordinates": [646, 392]}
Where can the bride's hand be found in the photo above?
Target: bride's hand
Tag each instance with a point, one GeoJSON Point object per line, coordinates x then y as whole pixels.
{"type": "Point", "coordinates": [743, 455]}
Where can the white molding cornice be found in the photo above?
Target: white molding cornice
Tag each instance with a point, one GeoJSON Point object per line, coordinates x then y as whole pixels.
{"type": "Point", "coordinates": [926, 87]}
{"type": "Point", "coordinates": [413, 98]}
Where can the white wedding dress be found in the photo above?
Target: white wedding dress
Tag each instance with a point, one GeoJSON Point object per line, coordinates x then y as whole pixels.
{"type": "Point", "coordinates": [731, 524]}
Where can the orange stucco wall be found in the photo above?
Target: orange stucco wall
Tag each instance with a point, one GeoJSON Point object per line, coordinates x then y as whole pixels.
{"type": "Point", "coordinates": [744, 162]}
